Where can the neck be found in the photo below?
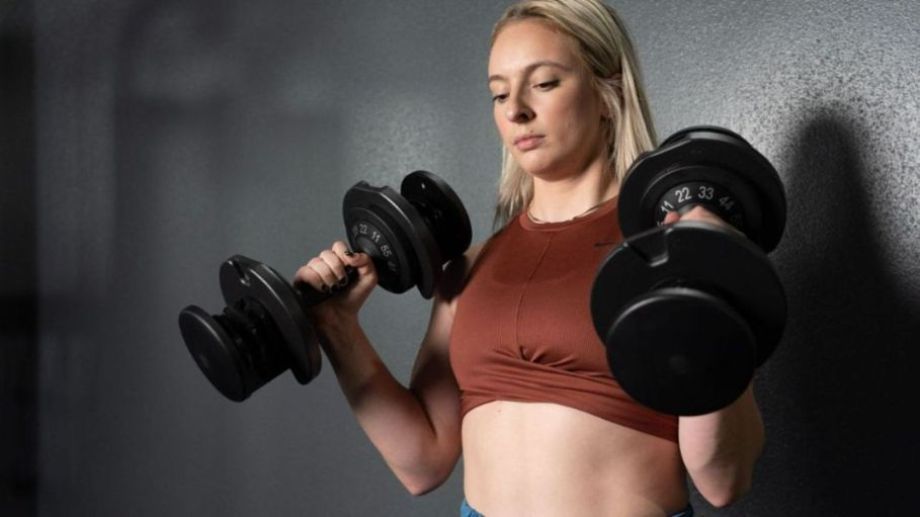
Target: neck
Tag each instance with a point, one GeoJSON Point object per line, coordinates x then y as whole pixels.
{"type": "Point", "coordinates": [563, 200]}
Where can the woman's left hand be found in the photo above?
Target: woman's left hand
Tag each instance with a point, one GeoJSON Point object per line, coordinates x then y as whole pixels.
{"type": "Point", "coordinates": [697, 213]}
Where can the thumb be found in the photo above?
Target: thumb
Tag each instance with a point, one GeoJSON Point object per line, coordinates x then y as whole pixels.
{"type": "Point", "coordinates": [363, 263]}
{"type": "Point", "coordinates": [671, 217]}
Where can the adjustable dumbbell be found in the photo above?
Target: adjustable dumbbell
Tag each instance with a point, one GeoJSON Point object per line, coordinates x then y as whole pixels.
{"type": "Point", "coordinates": [687, 311]}
{"type": "Point", "coordinates": [264, 329]}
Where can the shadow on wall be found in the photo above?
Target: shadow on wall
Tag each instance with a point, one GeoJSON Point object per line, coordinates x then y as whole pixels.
{"type": "Point", "coordinates": [18, 303]}
{"type": "Point", "coordinates": [838, 393]}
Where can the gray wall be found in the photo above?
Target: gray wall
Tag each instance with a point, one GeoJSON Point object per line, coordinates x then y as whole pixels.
{"type": "Point", "coordinates": [172, 134]}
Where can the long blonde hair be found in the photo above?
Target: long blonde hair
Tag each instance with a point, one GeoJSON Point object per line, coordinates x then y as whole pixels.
{"type": "Point", "coordinates": [607, 52]}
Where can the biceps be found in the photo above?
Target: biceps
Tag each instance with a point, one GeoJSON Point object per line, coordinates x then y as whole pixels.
{"type": "Point", "coordinates": [433, 381]}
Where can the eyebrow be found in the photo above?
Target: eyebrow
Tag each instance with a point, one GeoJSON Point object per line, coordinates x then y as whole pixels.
{"type": "Point", "coordinates": [529, 68]}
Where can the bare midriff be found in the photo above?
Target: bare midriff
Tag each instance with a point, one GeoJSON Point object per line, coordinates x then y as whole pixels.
{"type": "Point", "coordinates": [547, 460]}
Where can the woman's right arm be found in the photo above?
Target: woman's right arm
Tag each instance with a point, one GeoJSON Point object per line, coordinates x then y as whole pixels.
{"type": "Point", "coordinates": [415, 429]}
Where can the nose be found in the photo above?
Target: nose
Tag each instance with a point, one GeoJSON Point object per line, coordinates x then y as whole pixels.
{"type": "Point", "coordinates": [517, 110]}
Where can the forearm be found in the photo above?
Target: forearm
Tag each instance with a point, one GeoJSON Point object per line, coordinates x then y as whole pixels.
{"type": "Point", "coordinates": [391, 415]}
{"type": "Point", "coordinates": [720, 449]}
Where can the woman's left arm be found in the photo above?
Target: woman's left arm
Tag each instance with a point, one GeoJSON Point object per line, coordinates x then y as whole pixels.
{"type": "Point", "coordinates": [719, 449]}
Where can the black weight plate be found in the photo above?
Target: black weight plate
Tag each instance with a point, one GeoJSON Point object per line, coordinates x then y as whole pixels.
{"type": "Point", "coordinates": [372, 230]}
{"type": "Point", "coordinates": [730, 196]}
{"type": "Point", "coordinates": [242, 277]}
{"type": "Point", "coordinates": [700, 130]}
{"type": "Point", "coordinates": [412, 236]}
{"type": "Point", "coordinates": [681, 351]}
{"type": "Point", "coordinates": [214, 351]}
{"type": "Point", "coordinates": [437, 202]}
{"type": "Point", "coordinates": [698, 255]}
{"type": "Point", "coordinates": [730, 162]}
{"type": "Point", "coordinates": [738, 188]}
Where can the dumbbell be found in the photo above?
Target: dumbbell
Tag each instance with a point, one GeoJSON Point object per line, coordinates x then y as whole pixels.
{"type": "Point", "coordinates": [264, 329]}
{"type": "Point", "coordinates": [687, 311]}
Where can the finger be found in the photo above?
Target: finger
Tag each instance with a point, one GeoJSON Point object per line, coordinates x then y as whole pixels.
{"type": "Point", "coordinates": [335, 264]}
{"type": "Point", "coordinates": [355, 259]}
{"type": "Point", "coordinates": [325, 272]}
{"type": "Point", "coordinates": [340, 248]}
{"type": "Point", "coordinates": [359, 260]}
{"type": "Point", "coordinates": [671, 217]}
{"type": "Point", "coordinates": [344, 253]}
{"type": "Point", "coordinates": [307, 276]}
{"type": "Point", "coordinates": [311, 274]}
{"type": "Point", "coordinates": [701, 212]}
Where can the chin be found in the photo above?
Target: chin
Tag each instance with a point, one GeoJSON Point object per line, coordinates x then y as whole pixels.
{"type": "Point", "coordinates": [537, 166]}
{"type": "Point", "coordinates": [544, 171]}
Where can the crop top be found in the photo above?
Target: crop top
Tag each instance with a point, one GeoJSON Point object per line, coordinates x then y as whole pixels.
{"type": "Point", "coordinates": [523, 332]}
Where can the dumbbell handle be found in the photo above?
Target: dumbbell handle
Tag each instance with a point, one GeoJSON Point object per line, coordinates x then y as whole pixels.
{"type": "Point", "coordinates": [311, 296]}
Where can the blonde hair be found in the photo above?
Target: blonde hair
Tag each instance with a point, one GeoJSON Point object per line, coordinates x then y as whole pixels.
{"type": "Point", "coordinates": [607, 52]}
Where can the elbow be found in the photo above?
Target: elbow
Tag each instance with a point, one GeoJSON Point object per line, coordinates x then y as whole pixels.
{"type": "Point", "coordinates": [425, 478]}
{"type": "Point", "coordinates": [724, 483]}
{"type": "Point", "coordinates": [417, 490]}
{"type": "Point", "coordinates": [421, 485]}
{"type": "Point", "coordinates": [428, 468]}
{"type": "Point", "coordinates": [729, 491]}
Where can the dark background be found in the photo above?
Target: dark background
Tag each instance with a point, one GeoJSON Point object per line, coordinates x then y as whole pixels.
{"type": "Point", "coordinates": [142, 142]}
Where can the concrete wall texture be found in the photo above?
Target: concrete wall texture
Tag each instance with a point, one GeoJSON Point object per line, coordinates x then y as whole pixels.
{"type": "Point", "coordinates": [170, 135]}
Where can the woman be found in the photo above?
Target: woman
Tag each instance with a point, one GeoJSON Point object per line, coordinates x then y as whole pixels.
{"type": "Point", "coordinates": [510, 371]}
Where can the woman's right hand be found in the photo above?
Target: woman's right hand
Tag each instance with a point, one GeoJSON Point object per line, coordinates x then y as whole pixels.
{"type": "Point", "coordinates": [327, 270]}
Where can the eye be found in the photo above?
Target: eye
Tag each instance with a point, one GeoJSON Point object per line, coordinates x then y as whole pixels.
{"type": "Point", "coordinates": [547, 85]}
{"type": "Point", "coordinates": [499, 97]}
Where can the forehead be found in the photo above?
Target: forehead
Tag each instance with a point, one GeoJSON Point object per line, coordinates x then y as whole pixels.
{"type": "Point", "coordinates": [522, 43]}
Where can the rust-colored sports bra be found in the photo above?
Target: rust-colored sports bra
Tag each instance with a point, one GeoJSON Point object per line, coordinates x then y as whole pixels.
{"type": "Point", "coordinates": [522, 329]}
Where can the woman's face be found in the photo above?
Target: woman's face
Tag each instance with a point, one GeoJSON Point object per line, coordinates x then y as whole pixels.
{"type": "Point", "coordinates": [547, 112]}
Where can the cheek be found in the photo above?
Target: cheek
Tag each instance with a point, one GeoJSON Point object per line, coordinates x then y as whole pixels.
{"type": "Point", "coordinates": [501, 123]}
{"type": "Point", "coordinates": [577, 120]}
{"type": "Point", "coordinates": [584, 118]}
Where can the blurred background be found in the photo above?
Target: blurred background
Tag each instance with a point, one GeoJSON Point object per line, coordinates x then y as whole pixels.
{"type": "Point", "coordinates": [143, 142]}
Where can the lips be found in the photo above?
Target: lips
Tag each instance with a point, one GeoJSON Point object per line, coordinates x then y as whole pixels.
{"type": "Point", "coordinates": [527, 142]}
